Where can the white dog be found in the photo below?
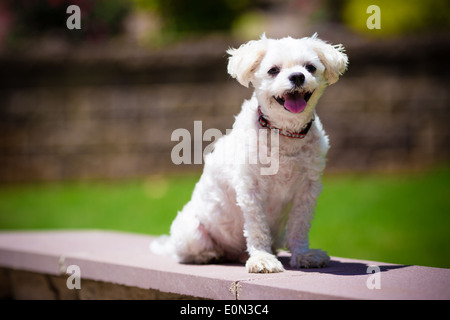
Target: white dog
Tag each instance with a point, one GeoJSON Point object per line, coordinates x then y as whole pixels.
{"type": "Point", "coordinates": [237, 213]}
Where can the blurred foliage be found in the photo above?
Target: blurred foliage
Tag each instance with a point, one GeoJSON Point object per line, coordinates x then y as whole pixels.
{"type": "Point", "coordinates": [102, 19]}
{"type": "Point", "coordinates": [181, 17]}
{"type": "Point", "coordinates": [168, 20]}
{"type": "Point", "coordinates": [398, 17]}
{"type": "Point", "coordinates": [99, 18]}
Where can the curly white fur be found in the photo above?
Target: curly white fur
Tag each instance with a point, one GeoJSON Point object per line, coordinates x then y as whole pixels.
{"type": "Point", "coordinates": [236, 213]}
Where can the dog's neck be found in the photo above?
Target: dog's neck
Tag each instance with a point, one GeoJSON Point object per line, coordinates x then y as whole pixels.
{"type": "Point", "coordinates": [263, 122]}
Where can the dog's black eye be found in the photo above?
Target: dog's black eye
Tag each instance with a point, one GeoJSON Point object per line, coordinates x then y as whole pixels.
{"type": "Point", "coordinates": [274, 71]}
{"type": "Point", "coordinates": [310, 68]}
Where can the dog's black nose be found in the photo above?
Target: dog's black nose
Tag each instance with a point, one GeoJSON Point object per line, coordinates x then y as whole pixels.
{"type": "Point", "coordinates": [297, 78]}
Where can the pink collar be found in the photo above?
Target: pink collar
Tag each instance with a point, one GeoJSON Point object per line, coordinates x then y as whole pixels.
{"type": "Point", "coordinates": [297, 135]}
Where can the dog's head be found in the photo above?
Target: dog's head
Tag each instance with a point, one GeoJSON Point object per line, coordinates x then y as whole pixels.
{"type": "Point", "coordinates": [289, 75]}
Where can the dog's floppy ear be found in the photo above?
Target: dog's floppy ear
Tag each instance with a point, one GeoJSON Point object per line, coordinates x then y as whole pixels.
{"type": "Point", "coordinates": [244, 61]}
{"type": "Point", "coordinates": [332, 56]}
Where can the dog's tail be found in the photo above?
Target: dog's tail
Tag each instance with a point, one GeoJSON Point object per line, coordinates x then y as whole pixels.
{"type": "Point", "coordinates": [162, 246]}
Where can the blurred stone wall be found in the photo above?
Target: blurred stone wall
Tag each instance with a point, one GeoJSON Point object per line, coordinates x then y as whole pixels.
{"type": "Point", "coordinates": [109, 114]}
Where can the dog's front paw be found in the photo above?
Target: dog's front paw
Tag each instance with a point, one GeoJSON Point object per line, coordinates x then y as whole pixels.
{"type": "Point", "coordinates": [263, 262]}
{"type": "Point", "coordinates": [313, 258]}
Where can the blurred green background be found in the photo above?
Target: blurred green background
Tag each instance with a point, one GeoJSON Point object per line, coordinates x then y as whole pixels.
{"type": "Point", "coordinates": [83, 114]}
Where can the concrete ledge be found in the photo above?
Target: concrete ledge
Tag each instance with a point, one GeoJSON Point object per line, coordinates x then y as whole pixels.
{"type": "Point", "coordinates": [116, 265]}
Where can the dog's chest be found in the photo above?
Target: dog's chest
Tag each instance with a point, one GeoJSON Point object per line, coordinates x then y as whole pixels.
{"type": "Point", "coordinates": [283, 186]}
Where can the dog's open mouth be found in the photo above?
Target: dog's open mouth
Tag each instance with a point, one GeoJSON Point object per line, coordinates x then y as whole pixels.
{"type": "Point", "coordinates": [294, 101]}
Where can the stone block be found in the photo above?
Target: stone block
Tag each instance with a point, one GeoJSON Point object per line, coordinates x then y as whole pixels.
{"type": "Point", "coordinates": [115, 265]}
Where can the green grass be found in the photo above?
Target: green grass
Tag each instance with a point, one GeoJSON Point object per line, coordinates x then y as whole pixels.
{"type": "Point", "coordinates": [402, 218]}
{"type": "Point", "coordinates": [146, 206]}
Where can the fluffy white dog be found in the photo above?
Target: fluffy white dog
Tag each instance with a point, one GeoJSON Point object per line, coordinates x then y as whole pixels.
{"type": "Point", "coordinates": [238, 213]}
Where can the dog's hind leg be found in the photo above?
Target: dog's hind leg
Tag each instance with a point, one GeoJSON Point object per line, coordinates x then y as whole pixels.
{"type": "Point", "coordinates": [191, 241]}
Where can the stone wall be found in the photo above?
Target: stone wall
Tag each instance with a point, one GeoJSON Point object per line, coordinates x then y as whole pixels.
{"type": "Point", "coordinates": [109, 114]}
{"type": "Point", "coordinates": [92, 264]}
{"type": "Point", "coordinates": [25, 285]}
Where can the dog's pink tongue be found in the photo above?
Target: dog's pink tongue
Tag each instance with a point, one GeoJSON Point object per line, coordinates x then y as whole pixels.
{"type": "Point", "coordinates": [294, 102]}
